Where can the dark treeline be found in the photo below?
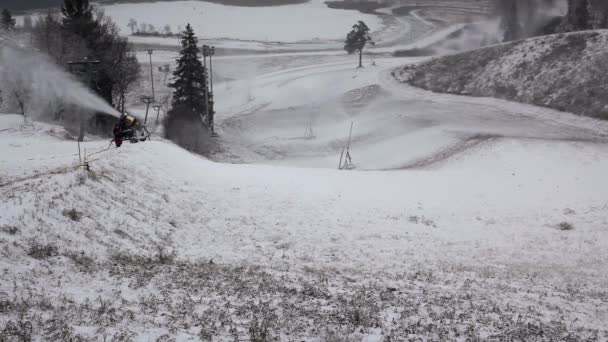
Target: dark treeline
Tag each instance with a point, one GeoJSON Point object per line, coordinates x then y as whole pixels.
{"type": "Point", "coordinates": [527, 18]}
{"type": "Point", "coordinates": [24, 5]}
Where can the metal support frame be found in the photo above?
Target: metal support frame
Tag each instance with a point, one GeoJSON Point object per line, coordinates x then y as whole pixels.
{"type": "Point", "coordinates": [150, 51]}
{"type": "Point", "coordinates": [88, 64]}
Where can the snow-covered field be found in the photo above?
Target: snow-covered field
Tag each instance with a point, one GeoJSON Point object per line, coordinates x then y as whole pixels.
{"type": "Point", "coordinates": [308, 21]}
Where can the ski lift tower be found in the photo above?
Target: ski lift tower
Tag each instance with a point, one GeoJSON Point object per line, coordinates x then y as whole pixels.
{"type": "Point", "coordinates": [209, 51]}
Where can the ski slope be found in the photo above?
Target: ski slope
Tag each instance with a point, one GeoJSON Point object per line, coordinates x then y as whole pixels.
{"type": "Point", "coordinates": [465, 218]}
{"type": "Point", "coordinates": [264, 119]}
{"type": "Point", "coordinates": [490, 212]}
{"type": "Point", "coordinates": [488, 218]}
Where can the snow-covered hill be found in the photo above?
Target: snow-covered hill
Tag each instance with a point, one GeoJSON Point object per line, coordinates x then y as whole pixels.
{"type": "Point", "coordinates": [155, 243]}
{"type": "Point", "coordinates": [396, 126]}
{"type": "Point", "coordinates": [567, 72]}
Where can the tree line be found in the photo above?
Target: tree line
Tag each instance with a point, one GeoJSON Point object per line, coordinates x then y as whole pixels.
{"type": "Point", "coordinates": [149, 30]}
{"type": "Point", "coordinates": [527, 18]}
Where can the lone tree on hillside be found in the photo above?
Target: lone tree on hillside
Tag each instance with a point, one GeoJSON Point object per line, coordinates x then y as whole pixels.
{"type": "Point", "coordinates": [132, 25]}
{"type": "Point", "coordinates": [356, 40]}
{"type": "Point", "coordinates": [184, 122]}
{"type": "Point", "coordinates": [7, 21]}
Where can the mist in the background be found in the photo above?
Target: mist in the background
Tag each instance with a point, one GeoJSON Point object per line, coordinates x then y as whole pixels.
{"type": "Point", "coordinates": [532, 16]}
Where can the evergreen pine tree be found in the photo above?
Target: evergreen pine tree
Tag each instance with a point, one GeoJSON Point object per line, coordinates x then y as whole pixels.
{"type": "Point", "coordinates": [356, 40]}
{"type": "Point", "coordinates": [77, 17]}
{"type": "Point", "coordinates": [7, 21]}
{"type": "Point", "coordinates": [189, 77]}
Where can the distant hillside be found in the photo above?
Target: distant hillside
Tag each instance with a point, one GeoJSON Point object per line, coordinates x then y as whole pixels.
{"type": "Point", "coordinates": [364, 6]}
{"type": "Point", "coordinates": [567, 72]}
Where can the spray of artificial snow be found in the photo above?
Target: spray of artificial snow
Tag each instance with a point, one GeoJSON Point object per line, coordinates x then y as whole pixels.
{"type": "Point", "coordinates": [31, 78]}
{"type": "Point", "coordinates": [489, 31]}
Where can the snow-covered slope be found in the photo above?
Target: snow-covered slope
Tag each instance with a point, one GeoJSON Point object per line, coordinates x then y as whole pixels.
{"type": "Point", "coordinates": [565, 72]}
{"type": "Point", "coordinates": [157, 243]}
{"type": "Point", "coordinates": [264, 119]}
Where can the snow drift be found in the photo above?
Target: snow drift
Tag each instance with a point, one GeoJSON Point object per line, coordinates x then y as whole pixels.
{"type": "Point", "coordinates": [567, 72]}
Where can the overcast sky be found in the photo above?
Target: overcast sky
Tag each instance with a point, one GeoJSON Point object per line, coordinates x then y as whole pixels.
{"type": "Point", "coordinates": [17, 5]}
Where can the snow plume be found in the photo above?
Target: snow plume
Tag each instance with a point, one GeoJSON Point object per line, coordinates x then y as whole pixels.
{"type": "Point", "coordinates": [532, 16]}
{"type": "Point", "coordinates": [32, 84]}
{"type": "Point", "coordinates": [471, 36]}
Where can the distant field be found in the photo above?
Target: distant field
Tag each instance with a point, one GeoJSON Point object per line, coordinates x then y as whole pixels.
{"type": "Point", "coordinates": [309, 21]}
{"type": "Point", "coordinates": [244, 3]}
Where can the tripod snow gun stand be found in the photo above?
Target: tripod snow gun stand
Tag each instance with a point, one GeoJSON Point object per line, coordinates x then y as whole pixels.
{"type": "Point", "coordinates": [348, 162]}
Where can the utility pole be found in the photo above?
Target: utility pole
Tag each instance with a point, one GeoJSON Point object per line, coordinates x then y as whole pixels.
{"type": "Point", "coordinates": [211, 54]}
{"type": "Point", "coordinates": [88, 65]}
{"type": "Point", "coordinates": [209, 110]}
{"type": "Point", "coordinates": [205, 54]}
{"type": "Point", "coordinates": [147, 100]}
{"type": "Point", "coordinates": [151, 72]}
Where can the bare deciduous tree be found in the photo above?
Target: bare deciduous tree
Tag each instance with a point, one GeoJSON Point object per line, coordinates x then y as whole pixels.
{"type": "Point", "coordinates": [132, 25]}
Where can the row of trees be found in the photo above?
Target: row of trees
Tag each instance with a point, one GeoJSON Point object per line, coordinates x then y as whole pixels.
{"type": "Point", "coordinates": [144, 29]}
{"type": "Point", "coordinates": [527, 18]}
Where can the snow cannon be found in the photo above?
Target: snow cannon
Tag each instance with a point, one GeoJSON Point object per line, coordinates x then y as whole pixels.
{"type": "Point", "coordinates": [131, 128]}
